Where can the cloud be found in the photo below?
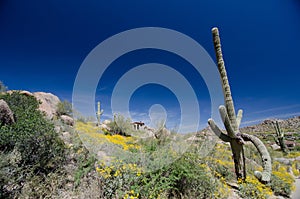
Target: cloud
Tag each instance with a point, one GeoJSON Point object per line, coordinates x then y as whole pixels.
{"type": "Point", "coordinates": [276, 109]}
{"type": "Point", "coordinates": [102, 89]}
{"type": "Point", "coordinates": [282, 112]}
{"type": "Point", "coordinates": [281, 116]}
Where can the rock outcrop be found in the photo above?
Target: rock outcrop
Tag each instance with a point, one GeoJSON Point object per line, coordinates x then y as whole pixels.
{"type": "Point", "coordinates": [106, 122]}
{"type": "Point", "coordinates": [6, 115]}
{"type": "Point", "coordinates": [26, 93]}
{"type": "Point", "coordinates": [48, 103]}
{"type": "Point", "coordinates": [67, 120]}
{"type": "Point", "coordinates": [104, 127]}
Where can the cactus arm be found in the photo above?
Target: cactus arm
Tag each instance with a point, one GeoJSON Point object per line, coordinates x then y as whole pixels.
{"type": "Point", "coordinates": [265, 156]}
{"type": "Point", "coordinates": [278, 130]}
{"type": "Point", "coordinates": [99, 112]}
{"type": "Point", "coordinates": [276, 126]}
{"type": "Point", "coordinates": [226, 121]}
{"type": "Point", "coordinates": [218, 131]}
{"type": "Point", "coordinates": [225, 84]}
{"type": "Point", "coordinates": [276, 140]}
{"type": "Point", "coordinates": [279, 139]}
{"type": "Point", "coordinates": [239, 118]}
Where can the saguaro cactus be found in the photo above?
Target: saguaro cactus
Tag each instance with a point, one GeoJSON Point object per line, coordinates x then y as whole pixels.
{"type": "Point", "coordinates": [279, 138]}
{"type": "Point", "coordinates": [232, 122]}
{"type": "Point", "coordinates": [99, 112]}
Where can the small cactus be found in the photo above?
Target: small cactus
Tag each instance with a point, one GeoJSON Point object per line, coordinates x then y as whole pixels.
{"type": "Point", "coordinates": [99, 113]}
{"type": "Point", "coordinates": [279, 138]}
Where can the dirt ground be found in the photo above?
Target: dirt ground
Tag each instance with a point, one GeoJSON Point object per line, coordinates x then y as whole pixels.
{"type": "Point", "coordinates": [296, 193]}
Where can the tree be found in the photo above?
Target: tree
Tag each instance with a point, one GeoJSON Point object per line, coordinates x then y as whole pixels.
{"type": "Point", "coordinates": [232, 123]}
{"type": "Point", "coordinates": [120, 125]}
{"type": "Point", "coordinates": [64, 108]}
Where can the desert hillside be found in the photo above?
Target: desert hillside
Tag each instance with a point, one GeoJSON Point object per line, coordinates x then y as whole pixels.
{"type": "Point", "coordinates": [44, 153]}
{"type": "Point", "coordinates": [289, 125]}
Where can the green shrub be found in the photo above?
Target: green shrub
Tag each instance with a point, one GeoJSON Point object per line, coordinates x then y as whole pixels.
{"type": "Point", "coordinates": [160, 131]}
{"type": "Point", "coordinates": [64, 108]}
{"type": "Point", "coordinates": [120, 125]}
{"type": "Point", "coordinates": [282, 182]}
{"type": "Point", "coordinates": [297, 147]}
{"type": "Point", "coordinates": [280, 186]}
{"type": "Point", "coordinates": [31, 145]}
{"type": "Point", "coordinates": [253, 189]}
{"type": "Point", "coordinates": [186, 177]}
{"type": "Point", "coordinates": [149, 144]}
{"type": "Point", "coordinates": [86, 164]}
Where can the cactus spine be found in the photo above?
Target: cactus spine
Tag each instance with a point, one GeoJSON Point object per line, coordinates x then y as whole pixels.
{"type": "Point", "coordinates": [279, 138]}
{"type": "Point", "coordinates": [99, 113]}
{"type": "Point", "coordinates": [232, 123]}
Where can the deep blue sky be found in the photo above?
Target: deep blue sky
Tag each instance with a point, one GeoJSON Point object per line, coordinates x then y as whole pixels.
{"type": "Point", "coordinates": [43, 43]}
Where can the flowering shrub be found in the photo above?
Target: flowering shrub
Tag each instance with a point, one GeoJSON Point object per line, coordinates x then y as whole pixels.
{"type": "Point", "coordinates": [253, 188]}
{"type": "Point", "coordinates": [126, 142]}
{"type": "Point", "coordinates": [131, 195]}
{"type": "Point", "coordinates": [293, 154]}
{"type": "Point", "coordinates": [119, 178]}
{"type": "Point", "coordinates": [220, 161]}
{"type": "Point", "coordinates": [295, 168]}
{"type": "Point", "coordinates": [187, 176]}
{"type": "Point", "coordinates": [91, 134]}
{"type": "Point", "coordinates": [282, 182]}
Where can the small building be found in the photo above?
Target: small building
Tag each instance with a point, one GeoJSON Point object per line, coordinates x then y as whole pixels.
{"type": "Point", "coordinates": [290, 144]}
{"type": "Point", "coordinates": [137, 125]}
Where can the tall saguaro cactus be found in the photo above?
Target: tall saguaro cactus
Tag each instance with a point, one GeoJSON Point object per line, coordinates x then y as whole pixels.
{"type": "Point", "coordinates": [99, 112]}
{"type": "Point", "coordinates": [232, 122]}
{"type": "Point", "coordinates": [279, 138]}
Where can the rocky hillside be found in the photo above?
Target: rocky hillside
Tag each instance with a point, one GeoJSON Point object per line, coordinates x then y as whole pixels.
{"type": "Point", "coordinates": [289, 125]}
{"type": "Point", "coordinates": [48, 101]}
{"type": "Point", "coordinates": [42, 158]}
